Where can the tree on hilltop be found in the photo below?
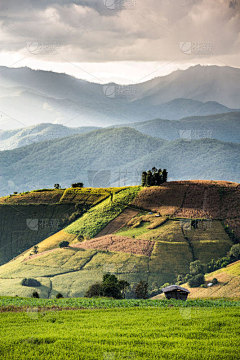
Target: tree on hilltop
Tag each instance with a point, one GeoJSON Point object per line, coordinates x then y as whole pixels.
{"type": "Point", "coordinates": [154, 177]}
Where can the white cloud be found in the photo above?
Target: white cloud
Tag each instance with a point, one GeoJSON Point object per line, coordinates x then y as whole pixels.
{"type": "Point", "coordinates": [88, 32]}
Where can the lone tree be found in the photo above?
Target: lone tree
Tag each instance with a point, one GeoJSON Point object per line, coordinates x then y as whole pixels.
{"type": "Point", "coordinates": [57, 186]}
{"type": "Point", "coordinates": [154, 177]}
{"type": "Point", "coordinates": [63, 244]}
{"type": "Point", "coordinates": [141, 290]}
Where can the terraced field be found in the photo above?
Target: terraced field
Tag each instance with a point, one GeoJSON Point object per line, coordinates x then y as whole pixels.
{"type": "Point", "coordinates": [146, 235]}
{"type": "Point", "coordinates": [29, 218]}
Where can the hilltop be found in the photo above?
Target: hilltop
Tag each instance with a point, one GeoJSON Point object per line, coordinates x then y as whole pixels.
{"type": "Point", "coordinates": [140, 234]}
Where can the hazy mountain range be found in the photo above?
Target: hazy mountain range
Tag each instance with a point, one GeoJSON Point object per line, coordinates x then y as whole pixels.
{"type": "Point", "coordinates": [114, 157]}
{"type": "Point", "coordinates": [29, 97]}
{"type": "Point", "coordinates": [184, 122]}
{"type": "Point", "coordinates": [224, 127]}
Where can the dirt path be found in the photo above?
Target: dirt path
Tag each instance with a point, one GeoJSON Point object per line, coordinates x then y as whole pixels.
{"type": "Point", "coordinates": [119, 222]}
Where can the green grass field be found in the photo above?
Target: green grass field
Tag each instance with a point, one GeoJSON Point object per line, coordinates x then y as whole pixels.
{"type": "Point", "coordinates": [91, 223]}
{"type": "Point", "coordinates": [191, 330]}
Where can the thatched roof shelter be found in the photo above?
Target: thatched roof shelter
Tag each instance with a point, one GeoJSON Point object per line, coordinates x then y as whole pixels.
{"type": "Point", "coordinates": [175, 292]}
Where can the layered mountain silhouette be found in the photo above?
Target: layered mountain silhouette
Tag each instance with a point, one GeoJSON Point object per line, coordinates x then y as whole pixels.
{"type": "Point", "coordinates": [29, 97]}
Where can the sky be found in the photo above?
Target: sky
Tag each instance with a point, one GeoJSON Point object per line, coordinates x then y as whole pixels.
{"type": "Point", "coordinates": [123, 41]}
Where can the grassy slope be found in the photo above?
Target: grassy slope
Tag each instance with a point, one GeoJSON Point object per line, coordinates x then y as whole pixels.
{"type": "Point", "coordinates": [228, 286]}
{"type": "Point", "coordinates": [98, 217]}
{"type": "Point", "coordinates": [71, 271]}
{"type": "Point", "coordinates": [51, 209]}
{"type": "Point", "coordinates": [169, 333]}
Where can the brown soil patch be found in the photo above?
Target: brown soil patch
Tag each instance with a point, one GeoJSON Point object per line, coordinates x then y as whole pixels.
{"type": "Point", "coordinates": [193, 198]}
{"type": "Point", "coordinates": [119, 222]}
{"type": "Point", "coordinates": [118, 244]}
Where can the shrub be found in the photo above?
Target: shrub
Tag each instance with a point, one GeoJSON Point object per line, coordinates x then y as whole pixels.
{"type": "Point", "coordinates": [59, 296]}
{"type": "Point", "coordinates": [196, 281]}
{"type": "Point", "coordinates": [64, 244]}
{"type": "Point", "coordinates": [35, 295]}
{"type": "Point", "coordinates": [30, 282]}
{"type": "Point", "coordinates": [214, 281]}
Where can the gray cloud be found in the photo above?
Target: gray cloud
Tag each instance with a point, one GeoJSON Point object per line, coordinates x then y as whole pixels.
{"type": "Point", "coordinates": [104, 30]}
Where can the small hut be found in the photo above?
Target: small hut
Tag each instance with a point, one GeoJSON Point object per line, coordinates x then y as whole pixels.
{"type": "Point", "coordinates": [175, 292]}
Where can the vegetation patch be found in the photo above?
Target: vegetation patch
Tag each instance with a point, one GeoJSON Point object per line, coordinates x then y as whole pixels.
{"type": "Point", "coordinates": [91, 223]}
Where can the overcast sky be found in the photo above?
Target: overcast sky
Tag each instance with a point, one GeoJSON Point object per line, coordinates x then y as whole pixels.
{"type": "Point", "coordinates": [123, 40]}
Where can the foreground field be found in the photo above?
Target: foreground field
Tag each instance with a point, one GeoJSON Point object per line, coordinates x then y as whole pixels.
{"type": "Point", "coordinates": [38, 305]}
{"type": "Point", "coordinates": [136, 333]}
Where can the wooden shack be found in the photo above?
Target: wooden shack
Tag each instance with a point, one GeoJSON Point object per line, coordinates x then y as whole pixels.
{"type": "Point", "coordinates": [175, 292]}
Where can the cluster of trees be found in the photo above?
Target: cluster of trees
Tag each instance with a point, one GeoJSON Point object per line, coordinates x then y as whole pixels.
{"type": "Point", "coordinates": [109, 287]}
{"type": "Point", "coordinates": [196, 278]}
{"type": "Point", "coordinates": [112, 287]}
{"type": "Point", "coordinates": [154, 177]}
{"type": "Point", "coordinates": [74, 185]}
{"type": "Point", "coordinates": [79, 184]}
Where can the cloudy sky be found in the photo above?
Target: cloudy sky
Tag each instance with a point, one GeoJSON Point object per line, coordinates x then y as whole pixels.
{"type": "Point", "coordinates": [119, 40]}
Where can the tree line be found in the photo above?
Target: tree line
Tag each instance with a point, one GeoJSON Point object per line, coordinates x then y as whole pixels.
{"type": "Point", "coordinates": [154, 177]}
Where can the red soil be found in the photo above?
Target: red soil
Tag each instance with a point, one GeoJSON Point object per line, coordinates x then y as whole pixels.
{"type": "Point", "coordinates": [118, 243]}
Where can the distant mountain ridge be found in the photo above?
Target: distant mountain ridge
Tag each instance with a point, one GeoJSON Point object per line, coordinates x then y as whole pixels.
{"type": "Point", "coordinates": [114, 157]}
{"type": "Point", "coordinates": [12, 139]}
{"type": "Point", "coordinates": [224, 127]}
{"type": "Point", "coordinates": [29, 97]}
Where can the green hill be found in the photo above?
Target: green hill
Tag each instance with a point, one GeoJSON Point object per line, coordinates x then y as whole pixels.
{"type": "Point", "coordinates": [27, 219]}
{"type": "Point", "coordinates": [136, 245]}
